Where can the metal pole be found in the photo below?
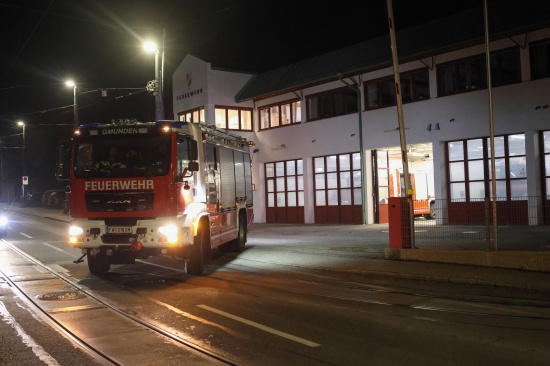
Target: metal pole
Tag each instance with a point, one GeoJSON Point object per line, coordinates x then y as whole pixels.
{"type": "Point", "coordinates": [408, 189]}
{"type": "Point", "coordinates": [361, 150]}
{"type": "Point", "coordinates": [75, 104]}
{"type": "Point", "coordinates": [161, 85]}
{"type": "Point", "coordinates": [158, 98]}
{"type": "Point", "coordinates": [24, 164]}
{"type": "Point", "coordinates": [491, 127]}
{"type": "Point", "coordinates": [24, 149]}
{"type": "Point", "coordinates": [362, 159]}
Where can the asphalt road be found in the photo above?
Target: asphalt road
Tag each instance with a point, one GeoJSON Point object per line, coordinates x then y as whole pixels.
{"type": "Point", "coordinates": [297, 295]}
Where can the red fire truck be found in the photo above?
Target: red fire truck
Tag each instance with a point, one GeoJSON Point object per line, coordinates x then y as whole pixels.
{"type": "Point", "coordinates": [167, 187]}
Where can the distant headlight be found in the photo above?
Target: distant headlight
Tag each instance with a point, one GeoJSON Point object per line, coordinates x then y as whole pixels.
{"type": "Point", "coordinates": [3, 220]}
{"type": "Point", "coordinates": [75, 231]}
{"type": "Point", "coordinates": [169, 230]}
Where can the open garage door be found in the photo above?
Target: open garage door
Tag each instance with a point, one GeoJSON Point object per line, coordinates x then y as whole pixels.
{"type": "Point", "coordinates": [389, 182]}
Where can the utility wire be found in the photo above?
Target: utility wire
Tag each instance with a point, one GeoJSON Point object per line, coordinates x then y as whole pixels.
{"type": "Point", "coordinates": [111, 100]}
{"type": "Point", "coordinates": [57, 15]}
{"type": "Point", "coordinates": [141, 90]}
{"type": "Point", "coordinates": [26, 42]}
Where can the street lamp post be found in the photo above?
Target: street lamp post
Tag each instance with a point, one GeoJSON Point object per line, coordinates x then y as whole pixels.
{"type": "Point", "coordinates": [75, 103]}
{"type": "Point", "coordinates": [157, 85]}
{"type": "Point", "coordinates": [22, 124]}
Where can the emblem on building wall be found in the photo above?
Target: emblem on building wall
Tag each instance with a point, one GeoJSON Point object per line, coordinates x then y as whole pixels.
{"type": "Point", "coordinates": [189, 93]}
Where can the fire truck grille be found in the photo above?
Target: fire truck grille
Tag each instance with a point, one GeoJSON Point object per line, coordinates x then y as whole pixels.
{"type": "Point", "coordinates": [119, 202]}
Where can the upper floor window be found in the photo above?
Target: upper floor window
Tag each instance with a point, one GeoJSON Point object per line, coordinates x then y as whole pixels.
{"type": "Point", "coordinates": [381, 92]}
{"type": "Point", "coordinates": [232, 118]}
{"type": "Point", "coordinates": [470, 74]}
{"type": "Point", "coordinates": [539, 54]}
{"type": "Point", "coordinates": [281, 114]}
{"type": "Point", "coordinates": [332, 103]}
{"type": "Point", "coordinates": [505, 67]}
{"type": "Point", "coordinates": [194, 115]}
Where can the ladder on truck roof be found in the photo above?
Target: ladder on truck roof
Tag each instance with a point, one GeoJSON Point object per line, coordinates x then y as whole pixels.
{"type": "Point", "coordinates": [219, 135]}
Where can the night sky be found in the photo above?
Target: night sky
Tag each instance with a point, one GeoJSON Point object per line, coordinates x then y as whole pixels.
{"type": "Point", "coordinates": [99, 44]}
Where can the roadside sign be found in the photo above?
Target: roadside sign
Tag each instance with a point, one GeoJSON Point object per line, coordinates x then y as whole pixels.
{"type": "Point", "coordinates": [25, 180]}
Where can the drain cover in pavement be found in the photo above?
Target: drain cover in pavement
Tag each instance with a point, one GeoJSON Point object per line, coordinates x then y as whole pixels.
{"type": "Point", "coordinates": [60, 296]}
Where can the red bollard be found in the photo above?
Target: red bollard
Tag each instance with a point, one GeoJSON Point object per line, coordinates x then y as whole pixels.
{"type": "Point", "coordinates": [399, 212]}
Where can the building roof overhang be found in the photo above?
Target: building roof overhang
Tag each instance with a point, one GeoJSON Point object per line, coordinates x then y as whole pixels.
{"type": "Point", "coordinates": [423, 41]}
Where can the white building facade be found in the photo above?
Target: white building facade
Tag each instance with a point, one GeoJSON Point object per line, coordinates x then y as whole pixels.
{"type": "Point", "coordinates": [308, 166]}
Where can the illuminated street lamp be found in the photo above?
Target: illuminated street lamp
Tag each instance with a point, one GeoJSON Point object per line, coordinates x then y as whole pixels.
{"type": "Point", "coordinates": [156, 86]}
{"type": "Point", "coordinates": [73, 85]}
{"type": "Point", "coordinates": [22, 124]}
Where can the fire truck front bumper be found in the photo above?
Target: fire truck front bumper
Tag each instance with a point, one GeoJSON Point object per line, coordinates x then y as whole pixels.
{"type": "Point", "coordinates": [145, 234]}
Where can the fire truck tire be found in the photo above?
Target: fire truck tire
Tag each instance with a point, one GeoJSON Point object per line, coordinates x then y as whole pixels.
{"type": "Point", "coordinates": [99, 264]}
{"type": "Point", "coordinates": [431, 215]}
{"type": "Point", "coordinates": [238, 244]}
{"type": "Point", "coordinates": [195, 265]}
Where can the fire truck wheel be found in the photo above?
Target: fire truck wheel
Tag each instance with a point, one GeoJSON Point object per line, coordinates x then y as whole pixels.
{"type": "Point", "coordinates": [239, 243]}
{"type": "Point", "coordinates": [99, 264]}
{"type": "Point", "coordinates": [195, 265]}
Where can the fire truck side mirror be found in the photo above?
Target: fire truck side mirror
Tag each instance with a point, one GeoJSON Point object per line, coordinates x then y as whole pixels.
{"type": "Point", "coordinates": [193, 151]}
{"type": "Point", "coordinates": [192, 166]}
{"type": "Point", "coordinates": [187, 149]}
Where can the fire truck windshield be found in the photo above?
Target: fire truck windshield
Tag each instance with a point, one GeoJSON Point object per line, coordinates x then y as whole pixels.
{"type": "Point", "coordinates": [138, 156]}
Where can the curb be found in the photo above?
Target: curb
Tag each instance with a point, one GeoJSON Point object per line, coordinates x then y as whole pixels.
{"type": "Point", "coordinates": [523, 260]}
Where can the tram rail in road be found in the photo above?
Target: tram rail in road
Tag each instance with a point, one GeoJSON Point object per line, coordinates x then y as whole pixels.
{"type": "Point", "coordinates": [90, 322]}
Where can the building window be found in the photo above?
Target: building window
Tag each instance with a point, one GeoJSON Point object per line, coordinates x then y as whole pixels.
{"type": "Point", "coordinates": [284, 182]}
{"type": "Point", "coordinates": [194, 115]}
{"type": "Point", "coordinates": [470, 176]}
{"type": "Point", "coordinates": [331, 104]}
{"type": "Point", "coordinates": [470, 74]}
{"type": "Point", "coordinates": [337, 186]}
{"type": "Point", "coordinates": [539, 54]}
{"type": "Point", "coordinates": [381, 92]}
{"type": "Point", "coordinates": [505, 67]}
{"type": "Point", "coordinates": [231, 118]}
{"type": "Point", "coordinates": [281, 114]}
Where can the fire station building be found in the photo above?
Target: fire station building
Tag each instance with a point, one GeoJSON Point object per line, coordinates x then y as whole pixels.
{"type": "Point", "coordinates": [327, 142]}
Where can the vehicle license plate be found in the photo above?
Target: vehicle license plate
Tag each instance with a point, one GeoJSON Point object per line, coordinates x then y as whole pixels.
{"type": "Point", "coordinates": [119, 230]}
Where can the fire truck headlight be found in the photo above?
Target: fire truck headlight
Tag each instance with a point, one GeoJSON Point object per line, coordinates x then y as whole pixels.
{"type": "Point", "coordinates": [3, 220]}
{"type": "Point", "coordinates": [171, 233]}
{"type": "Point", "coordinates": [75, 231]}
{"type": "Point", "coordinates": [169, 230]}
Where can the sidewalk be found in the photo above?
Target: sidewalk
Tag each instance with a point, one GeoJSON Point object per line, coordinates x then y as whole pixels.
{"type": "Point", "coordinates": [364, 250]}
